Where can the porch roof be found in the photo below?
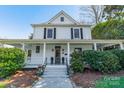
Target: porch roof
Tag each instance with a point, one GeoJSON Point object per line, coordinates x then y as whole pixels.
{"type": "Point", "coordinates": [90, 41]}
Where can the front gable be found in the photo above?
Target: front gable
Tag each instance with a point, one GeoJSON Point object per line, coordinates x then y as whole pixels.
{"type": "Point", "coordinates": [62, 15]}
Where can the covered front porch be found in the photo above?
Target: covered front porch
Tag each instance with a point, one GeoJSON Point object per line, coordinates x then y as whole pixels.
{"type": "Point", "coordinates": [57, 51]}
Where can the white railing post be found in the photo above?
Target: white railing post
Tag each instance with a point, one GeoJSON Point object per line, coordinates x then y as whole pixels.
{"type": "Point", "coordinates": [23, 47]}
{"type": "Point", "coordinates": [121, 46]}
{"type": "Point", "coordinates": [95, 46]}
{"type": "Point", "coordinates": [44, 52]}
{"type": "Point", "coordinates": [68, 53]}
{"type": "Point", "coordinates": [1, 45]}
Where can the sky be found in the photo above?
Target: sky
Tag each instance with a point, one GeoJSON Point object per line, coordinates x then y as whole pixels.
{"type": "Point", "coordinates": [15, 20]}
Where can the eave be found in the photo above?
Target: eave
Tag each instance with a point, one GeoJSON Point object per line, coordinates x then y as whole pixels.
{"type": "Point", "coordinates": [60, 25]}
{"type": "Point", "coordinates": [33, 41]}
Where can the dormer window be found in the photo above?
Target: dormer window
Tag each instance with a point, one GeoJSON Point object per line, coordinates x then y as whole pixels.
{"type": "Point", "coordinates": [62, 19]}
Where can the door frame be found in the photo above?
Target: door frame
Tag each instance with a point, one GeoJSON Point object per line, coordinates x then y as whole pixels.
{"type": "Point", "coordinates": [55, 54]}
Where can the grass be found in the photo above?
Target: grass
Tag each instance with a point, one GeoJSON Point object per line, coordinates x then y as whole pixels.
{"type": "Point", "coordinates": [2, 84]}
{"type": "Point", "coordinates": [110, 82]}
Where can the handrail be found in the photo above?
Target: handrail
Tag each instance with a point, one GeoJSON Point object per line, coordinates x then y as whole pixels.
{"type": "Point", "coordinates": [68, 67]}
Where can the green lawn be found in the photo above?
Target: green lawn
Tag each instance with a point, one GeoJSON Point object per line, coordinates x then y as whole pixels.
{"type": "Point", "coordinates": [2, 85]}
{"type": "Point", "coordinates": [110, 82]}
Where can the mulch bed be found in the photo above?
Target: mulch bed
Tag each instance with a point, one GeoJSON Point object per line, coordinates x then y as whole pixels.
{"type": "Point", "coordinates": [23, 78]}
{"type": "Point", "coordinates": [88, 77]}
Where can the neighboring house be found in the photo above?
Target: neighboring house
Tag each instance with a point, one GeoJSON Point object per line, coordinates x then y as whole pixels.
{"type": "Point", "coordinates": [55, 40]}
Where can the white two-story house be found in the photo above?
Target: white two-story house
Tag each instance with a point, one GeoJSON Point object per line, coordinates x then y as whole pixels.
{"type": "Point", "coordinates": [54, 41]}
{"type": "Point", "coordinates": [55, 33]}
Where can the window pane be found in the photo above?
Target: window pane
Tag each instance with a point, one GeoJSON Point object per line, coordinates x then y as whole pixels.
{"type": "Point", "coordinates": [37, 49]}
{"type": "Point", "coordinates": [76, 33]}
{"type": "Point", "coordinates": [62, 19]}
{"type": "Point", "coordinates": [49, 34]}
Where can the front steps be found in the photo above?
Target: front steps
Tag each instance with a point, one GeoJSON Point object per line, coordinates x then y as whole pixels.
{"type": "Point", "coordinates": [55, 71]}
{"type": "Point", "coordinates": [55, 76]}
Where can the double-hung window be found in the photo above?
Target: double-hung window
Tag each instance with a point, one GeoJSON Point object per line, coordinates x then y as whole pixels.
{"type": "Point", "coordinates": [76, 33]}
{"type": "Point", "coordinates": [50, 33]}
{"type": "Point", "coordinates": [37, 49]}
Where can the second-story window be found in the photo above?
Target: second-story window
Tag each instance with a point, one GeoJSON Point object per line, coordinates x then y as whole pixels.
{"type": "Point", "coordinates": [62, 19]}
{"type": "Point", "coordinates": [76, 33]}
{"type": "Point", "coordinates": [50, 33]}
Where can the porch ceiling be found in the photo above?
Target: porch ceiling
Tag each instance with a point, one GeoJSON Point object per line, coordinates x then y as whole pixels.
{"type": "Point", "coordinates": [18, 41]}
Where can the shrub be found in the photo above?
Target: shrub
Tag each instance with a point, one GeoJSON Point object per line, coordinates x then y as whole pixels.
{"type": "Point", "coordinates": [105, 62]}
{"type": "Point", "coordinates": [108, 63]}
{"type": "Point", "coordinates": [91, 57]}
{"type": "Point", "coordinates": [77, 64]}
{"type": "Point", "coordinates": [120, 55]}
{"type": "Point", "coordinates": [11, 59]}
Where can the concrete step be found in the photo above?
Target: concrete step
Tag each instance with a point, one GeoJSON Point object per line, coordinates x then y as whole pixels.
{"type": "Point", "coordinates": [55, 73]}
{"type": "Point", "coordinates": [55, 76]}
{"type": "Point", "coordinates": [55, 70]}
{"type": "Point", "coordinates": [52, 71]}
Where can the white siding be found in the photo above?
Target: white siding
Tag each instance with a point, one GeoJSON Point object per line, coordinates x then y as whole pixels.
{"type": "Point", "coordinates": [87, 33]}
{"type": "Point", "coordinates": [38, 33]}
{"type": "Point", "coordinates": [58, 21]}
{"type": "Point", "coordinates": [61, 32]}
{"type": "Point", "coordinates": [36, 58]}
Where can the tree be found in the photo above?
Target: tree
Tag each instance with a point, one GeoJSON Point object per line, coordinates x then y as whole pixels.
{"type": "Point", "coordinates": [113, 12]}
{"type": "Point", "coordinates": [95, 12]}
{"type": "Point", "coordinates": [110, 29]}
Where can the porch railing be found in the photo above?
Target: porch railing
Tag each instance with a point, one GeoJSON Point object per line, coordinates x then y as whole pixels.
{"type": "Point", "coordinates": [68, 67]}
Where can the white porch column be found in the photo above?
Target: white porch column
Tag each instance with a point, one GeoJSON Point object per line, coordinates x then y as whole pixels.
{"type": "Point", "coordinates": [121, 46]}
{"type": "Point", "coordinates": [68, 53]}
{"type": "Point", "coordinates": [1, 45]}
{"type": "Point", "coordinates": [23, 46]}
{"type": "Point", "coordinates": [44, 52]}
{"type": "Point", "coordinates": [95, 46]}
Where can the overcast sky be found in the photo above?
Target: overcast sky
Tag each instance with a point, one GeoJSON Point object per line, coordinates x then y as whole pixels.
{"type": "Point", "coordinates": [15, 20]}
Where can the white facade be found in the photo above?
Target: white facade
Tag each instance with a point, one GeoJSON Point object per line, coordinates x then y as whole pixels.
{"type": "Point", "coordinates": [62, 27]}
{"type": "Point", "coordinates": [61, 32]}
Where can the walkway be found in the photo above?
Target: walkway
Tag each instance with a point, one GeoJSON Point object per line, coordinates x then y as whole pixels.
{"type": "Point", "coordinates": [55, 76]}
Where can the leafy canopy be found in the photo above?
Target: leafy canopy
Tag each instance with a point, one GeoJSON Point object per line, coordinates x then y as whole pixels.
{"type": "Point", "coordinates": [111, 29]}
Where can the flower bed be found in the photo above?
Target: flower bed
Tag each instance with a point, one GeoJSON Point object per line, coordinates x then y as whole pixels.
{"type": "Point", "coordinates": [90, 78]}
{"type": "Point", "coordinates": [22, 79]}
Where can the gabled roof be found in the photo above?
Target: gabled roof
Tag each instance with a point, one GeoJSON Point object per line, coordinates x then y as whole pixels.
{"type": "Point", "coordinates": [57, 15]}
{"type": "Point", "coordinates": [65, 14]}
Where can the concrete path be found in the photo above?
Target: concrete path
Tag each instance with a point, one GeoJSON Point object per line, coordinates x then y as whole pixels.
{"type": "Point", "coordinates": [55, 76]}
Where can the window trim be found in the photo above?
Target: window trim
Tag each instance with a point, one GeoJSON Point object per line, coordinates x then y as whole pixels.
{"type": "Point", "coordinates": [52, 33]}
{"type": "Point", "coordinates": [74, 33]}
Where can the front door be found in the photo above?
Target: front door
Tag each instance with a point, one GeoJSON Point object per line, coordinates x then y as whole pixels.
{"type": "Point", "coordinates": [57, 54]}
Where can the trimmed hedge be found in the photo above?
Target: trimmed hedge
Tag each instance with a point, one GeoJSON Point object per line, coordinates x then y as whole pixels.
{"type": "Point", "coordinates": [11, 59]}
{"type": "Point", "coordinates": [120, 55]}
{"type": "Point", "coordinates": [92, 58]}
{"type": "Point", "coordinates": [105, 61]}
{"type": "Point", "coordinates": [77, 64]}
{"type": "Point", "coordinates": [108, 63]}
